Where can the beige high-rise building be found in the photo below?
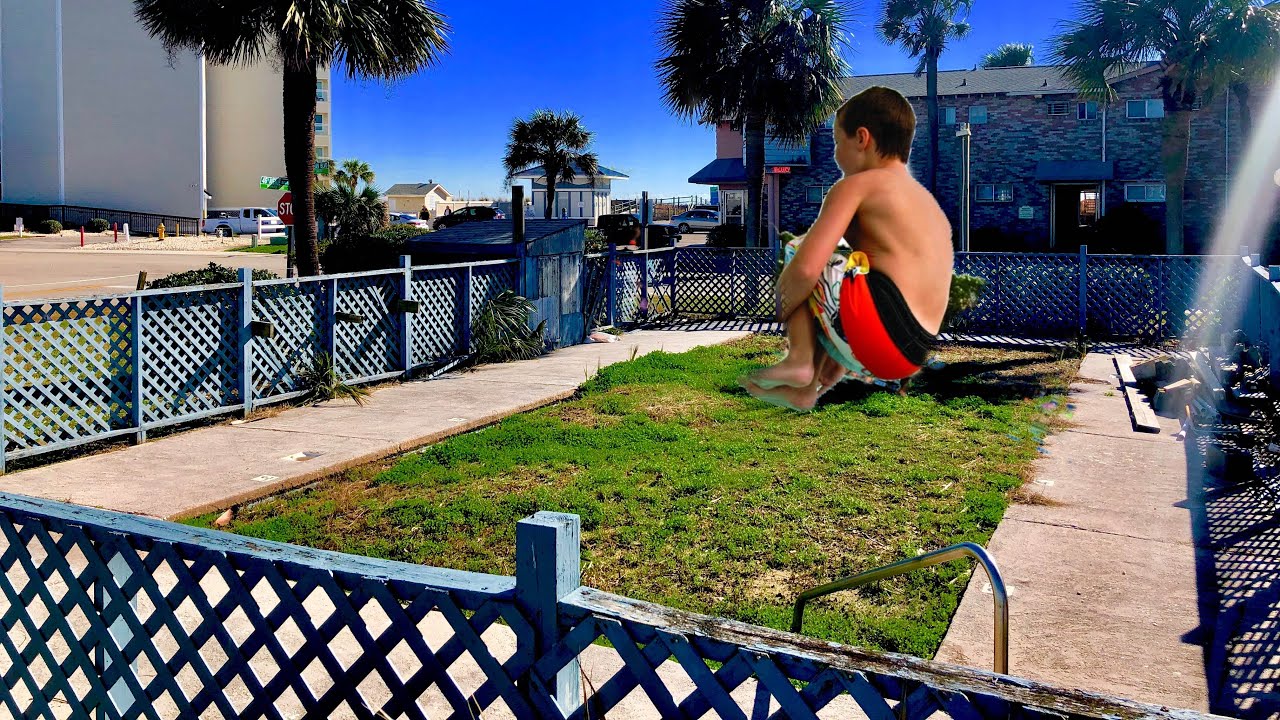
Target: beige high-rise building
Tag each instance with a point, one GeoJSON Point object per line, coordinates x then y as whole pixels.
{"type": "Point", "coordinates": [95, 113]}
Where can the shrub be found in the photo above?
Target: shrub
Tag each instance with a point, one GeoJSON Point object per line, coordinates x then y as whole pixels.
{"type": "Point", "coordinates": [501, 330]}
{"type": "Point", "coordinates": [1127, 228]}
{"type": "Point", "coordinates": [97, 225]}
{"type": "Point", "coordinates": [597, 242]}
{"type": "Point", "coordinates": [966, 292]}
{"type": "Point", "coordinates": [727, 236]}
{"type": "Point", "coordinates": [49, 227]}
{"type": "Point", "coordinates": [215, 274]}
{"type": "Point", "coordinates": [380, 250]}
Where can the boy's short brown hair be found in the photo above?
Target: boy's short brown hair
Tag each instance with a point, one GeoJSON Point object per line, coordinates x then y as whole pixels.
{"type": "Point", "coordinates": [886, 114]}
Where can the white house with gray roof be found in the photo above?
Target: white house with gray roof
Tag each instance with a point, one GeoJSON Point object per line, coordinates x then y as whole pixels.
{"type": "Point", "coordinates": [412, 197]}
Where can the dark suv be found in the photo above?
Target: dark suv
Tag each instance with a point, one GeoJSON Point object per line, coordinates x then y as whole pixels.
{"type": "Point", "coordinates": [467, 214]}
{"type": "Point", "coordinates": [624, 230]}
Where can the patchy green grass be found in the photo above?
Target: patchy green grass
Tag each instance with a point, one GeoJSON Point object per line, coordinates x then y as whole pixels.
{"type": "Point", "coordinates": [264, 249]}
{"type": "Point", "coordinates": [694, 495]}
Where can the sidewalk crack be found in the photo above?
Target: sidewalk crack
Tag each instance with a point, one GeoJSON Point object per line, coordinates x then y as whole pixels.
{"type": "Point", "coordinates": [1070, 526]}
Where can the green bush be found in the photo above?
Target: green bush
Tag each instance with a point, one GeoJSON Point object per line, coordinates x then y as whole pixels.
{"type": "Point", "coordinates": [215, 274]}
{"type": "Point", "coordinates": [727, 236]}
{"type": "Point", "coordinates": [597, 242]}
{"type": "Point", "coordinates": [380, 250]}
{"type": "Point", "coordinates": [966, 292]}
{"type": "Point", "coordinates": [49, 227]}
{"type": "Point", "coordinates": [97, 225]}
{"type": "Point", "coordinates": [501, 330]}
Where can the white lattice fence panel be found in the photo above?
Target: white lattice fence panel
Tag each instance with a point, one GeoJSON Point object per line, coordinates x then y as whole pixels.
{"type": "Point", "coordinates": [67, 372]}
{"type": "Point", "coordinates": [706, 282]}
{"type": "Point", "coordinates": [190, 353]}
{"type": "Point", "coordinates": [437, 327]}
{"type": "Point", "coordinates": [630, 305]}
{"type": "Point", "coordinates": [490, 281]}
{"type": "Point", "coordinates": [370, 346]}
{"type": "Point", "coordinates": [296, 312]}
{"type": "Point", "coordinates": [661, 282]}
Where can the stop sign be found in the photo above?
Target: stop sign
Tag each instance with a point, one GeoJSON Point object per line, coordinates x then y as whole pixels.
{"type": "Point", "coordinates": [284, 208]}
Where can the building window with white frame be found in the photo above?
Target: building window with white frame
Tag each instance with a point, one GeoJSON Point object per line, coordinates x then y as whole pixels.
{"type": "Point", "coordinates": [817, 193]}
{"type": "Point", "coordinates": [994, 192]}
{"type": "Point", "coordinates": [1087, 110]}
{"type": "Point", "coordinates": [947, 116]}
{"type": "Point", "coordinates": [320, 126]}
{"type": "Point", "coordinates": [1057, 107]}
{"type": "Point", "coordinates": [322, 152]}
{"type": "Point", "coordinates": [1144, 109]}
{"type": "Point", "coordinates": [322, 91]}
{"type": "Point", "coordinates": [977, 114]}
{"type": "Point", "coordinates": [1144, 192]}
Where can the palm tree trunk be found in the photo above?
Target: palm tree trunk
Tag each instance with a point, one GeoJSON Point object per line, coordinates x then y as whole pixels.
{"type": "Point", "coordinates": [932, 89]}
{"type": "Point", "coordinates": [300, 162]}
{"type": "Point", "coordinates": [552, 174]}
{"type": "Point", "coordinates": [753, 133]}
{"type": "Point", "coordinates": [1173, 154]}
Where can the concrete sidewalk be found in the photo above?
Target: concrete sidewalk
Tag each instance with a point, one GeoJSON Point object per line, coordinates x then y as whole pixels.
{"type": "Point", "coordinates": [1102, 570]}
{"type": "Point", "coordinates": [215, 467]}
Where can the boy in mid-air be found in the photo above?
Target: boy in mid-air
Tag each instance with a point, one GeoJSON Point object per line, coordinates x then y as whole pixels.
{"type": "Point", "coordinates": [864, 292]}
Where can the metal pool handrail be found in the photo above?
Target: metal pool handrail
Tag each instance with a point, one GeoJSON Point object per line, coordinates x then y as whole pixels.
{"type": "Point", "coordinates": [937, 557]}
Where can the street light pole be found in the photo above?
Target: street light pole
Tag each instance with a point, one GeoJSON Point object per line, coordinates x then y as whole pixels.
{"type": "Point", "coordinates": [965, 134]}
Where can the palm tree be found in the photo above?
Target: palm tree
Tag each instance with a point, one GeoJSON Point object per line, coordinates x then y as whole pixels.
{"type": "Point", "coordinates": [924, 28]}
{"type": "Point", "coordinates": [353, 172]}
{"type": "Point", "coordinates": [559, 142]}
{"type": "Point", "coordinates": [355, 214]}
{"type": "Point", "coordinates": [1009, 55]}
{"type": "Point", "coordinates": [770, 67]}
{"type": "Point", "coordinates": [387, 40]}
{"type": "Point", "coordinates": [1199, 45]}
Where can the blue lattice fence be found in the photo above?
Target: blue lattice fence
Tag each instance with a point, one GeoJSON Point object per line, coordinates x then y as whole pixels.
{"type": "Point", "coordinates": [189, 346]}
{"type": "Point", "coordinates": [365, 326]}
{"type": "Point", "coordinates": [116, 616]}
{"type": "Point", "coordinates": [725, 282]}
{"type": "Point", "coordinates": [297, 312]}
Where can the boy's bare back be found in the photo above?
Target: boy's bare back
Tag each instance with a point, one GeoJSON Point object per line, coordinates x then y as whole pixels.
{"type": "Point", "coordinates": [904, 232]}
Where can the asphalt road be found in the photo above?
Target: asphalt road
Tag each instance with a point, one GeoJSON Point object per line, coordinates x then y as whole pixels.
{"type": "Point", "coordinates": [33, 272]}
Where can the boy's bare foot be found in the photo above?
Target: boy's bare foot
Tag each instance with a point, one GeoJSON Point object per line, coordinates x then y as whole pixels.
{"type": "Point", "coordinates": [784, 374]}
{"type": "Point", "coordinates": [790, 398]}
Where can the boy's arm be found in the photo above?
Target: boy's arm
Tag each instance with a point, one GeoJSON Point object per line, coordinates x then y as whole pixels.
{"type": "Point", "coordinates": [801, 275]}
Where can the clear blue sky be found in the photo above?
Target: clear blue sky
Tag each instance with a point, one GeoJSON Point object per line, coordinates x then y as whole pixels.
{"type": "Point", "coordinates": [450, 123]}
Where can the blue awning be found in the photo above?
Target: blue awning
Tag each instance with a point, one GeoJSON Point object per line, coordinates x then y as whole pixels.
{"type": "Point", "coordinates": [1059, 171]}
{"type": "Point", "coordinates": [724, 171]}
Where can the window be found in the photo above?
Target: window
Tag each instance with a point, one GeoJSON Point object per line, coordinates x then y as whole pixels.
{"type": "Point", "coordinates": [319, 123]}
{"type": "Point", "coordinates": [948, 116]}
{"type": "Point", "coordinates": [817, 193]}
{"type": "Point", "coordinates": [322, 152]}
{"type": "Point", "coordinates": [1145, 109]}
{"type": "Point", "coordinates": [1057, 107]}
{"type": "Point", "coordinates": [1144, 192]}
{"type": "Point", "coordinates": [995, 192]}
{"type": "Point", "coordinates": [977, 114]}
{"type": "Point", "coordinates": [1087, 110]}
{"type": "Point", "coordinates": [322, 91]}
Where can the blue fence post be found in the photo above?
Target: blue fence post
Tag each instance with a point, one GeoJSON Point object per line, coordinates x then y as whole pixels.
{"type": "Point", "coordinates": [245, 276]}
{"type": "Point", "coordinates": [611, 285]}
{"type": "Point", "coordinates": [464, 308]}
{"type": "Point", "coordinates": [135, 341]}
{"type": "Point", "coordinates": [549, 567]}
{"type": "Point", "coordinates": [3, 440]}
{"type": "Point", "coordinates": [1082, 311]}
{"type": "Point", "coordinates": [405, 319]}
{"type": "Point", "coordinates": [331, 321]}
{"type": "Point", "coordinates": [522, 270]}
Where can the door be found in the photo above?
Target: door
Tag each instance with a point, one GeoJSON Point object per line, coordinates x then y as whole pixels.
{"type": "Point", "coordinates": [1075, 214]}
{"type": "Point", "coordinates": [735, 201]}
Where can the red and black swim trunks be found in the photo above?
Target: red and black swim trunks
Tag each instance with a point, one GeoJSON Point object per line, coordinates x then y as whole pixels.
{"type": "Point", "coordinates": [880, 328]}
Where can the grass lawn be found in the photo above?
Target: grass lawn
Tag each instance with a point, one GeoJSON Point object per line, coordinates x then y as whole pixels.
{"type": "Point", "coordinates": [693, 494]}
{"type": "Point", "coordinates": [264, 249]}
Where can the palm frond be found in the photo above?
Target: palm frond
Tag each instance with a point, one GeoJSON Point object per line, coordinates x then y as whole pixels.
{"type": "Point", "coordinates": [1009, 55]}
{"type": "Point", "coordinates": [501, 332]}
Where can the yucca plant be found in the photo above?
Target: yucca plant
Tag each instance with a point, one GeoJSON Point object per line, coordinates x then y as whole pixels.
{"type": "Point", "coordinates": [320, 378]}
{"type": "Point", "coordinates": [500, 331]}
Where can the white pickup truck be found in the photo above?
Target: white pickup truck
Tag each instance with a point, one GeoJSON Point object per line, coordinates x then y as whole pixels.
{"type": "Point", "coordinates": [229, 222]}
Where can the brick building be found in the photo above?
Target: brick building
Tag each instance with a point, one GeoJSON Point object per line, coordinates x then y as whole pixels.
{"type": "Point", "coordinates": [1046, 164]}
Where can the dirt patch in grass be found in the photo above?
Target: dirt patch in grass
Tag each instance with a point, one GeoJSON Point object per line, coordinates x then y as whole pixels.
{"type": "Point", "coordinates": [693, 494]}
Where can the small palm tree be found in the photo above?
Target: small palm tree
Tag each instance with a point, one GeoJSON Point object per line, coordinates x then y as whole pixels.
{"type": "Point", "coordinates": [354, 213]}
{"type": "Point", "coordinates": [1201, 46]}
{"type": "Point", "coordinates": [388, 40]}
{"type": "Point", "coordinates": [1009, 55]}
{"type": "Point", "coordinates": [354, 172]}
{"type": "Point", "coordinates": [924, 28]}
{"type": "Point", "coordinates": [770, 67]}
{"type": "Point", "coordinates": [559, 142]}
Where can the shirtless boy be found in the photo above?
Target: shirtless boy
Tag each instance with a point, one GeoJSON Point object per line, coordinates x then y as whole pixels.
{"type": "Point", "coordinates": [864, 292]}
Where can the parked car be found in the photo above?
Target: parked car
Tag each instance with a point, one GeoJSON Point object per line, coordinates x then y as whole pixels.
{"type": "Point", "coordinates": [468, 214]}
{"type": "Point", "coordinates": [624, 230]}
{"type": "Point", "coordinates": [229, 222]}
{"type": "Point", "coordinates": [696, 220]}
{"type": "Point", "coordinates": [712, 208]}
{"type": "Point", "coordinates": [409, 219]}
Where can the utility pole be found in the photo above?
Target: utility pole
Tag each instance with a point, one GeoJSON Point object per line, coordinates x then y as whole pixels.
{"type": "Point", "coordinates": [966, 135]}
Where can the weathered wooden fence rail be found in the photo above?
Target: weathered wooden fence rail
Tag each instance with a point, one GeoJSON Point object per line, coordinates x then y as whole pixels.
{"type": "Point", "coordinates": [78, 371]}
{"type": "Point", "coordinates": [115, 616]}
